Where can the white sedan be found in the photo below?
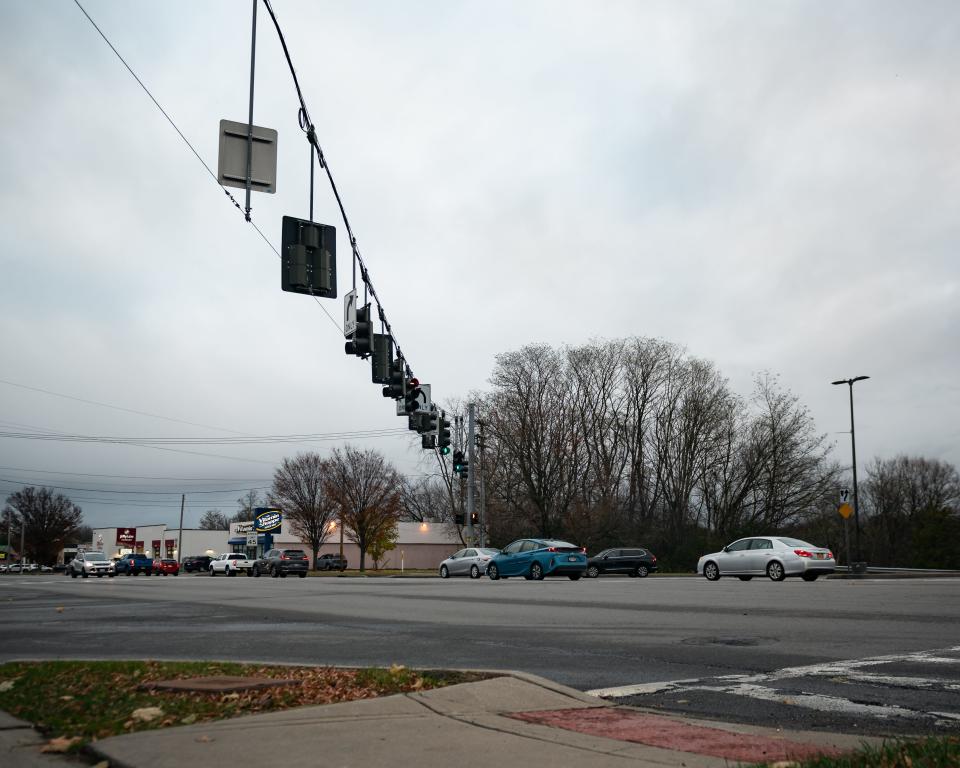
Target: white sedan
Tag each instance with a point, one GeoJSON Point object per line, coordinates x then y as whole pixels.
{"type": "Point", "coordinates": [773, 556]}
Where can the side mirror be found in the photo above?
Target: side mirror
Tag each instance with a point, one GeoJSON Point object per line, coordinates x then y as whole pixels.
{"type": "Point", "coordinates": [726, 549]}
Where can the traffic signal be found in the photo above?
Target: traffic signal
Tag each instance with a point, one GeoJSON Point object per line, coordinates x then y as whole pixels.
{"type": "Point", "coordinates": [309, 258]}
{"type": "Point", "coordinates": [443, 435]}
{"type": "Point", "coordinates": [458, 461]}
{"type": "Point", "coordinates": [362, 343]}
{"type": "Point", "coordinates": [411, 395]}
{"type": "Point", "coordinates": [459, 518]}
{"type": "Point", "coordinates": [394, 388]}
{"type": "Point", "coordinates": [380, 361]}
{"type": "Point", "coordinates": [428, 442]}
{"type": "Point", "coordinates": [474, 518]}
{"type": "Point", "coordinates": [465, 469]}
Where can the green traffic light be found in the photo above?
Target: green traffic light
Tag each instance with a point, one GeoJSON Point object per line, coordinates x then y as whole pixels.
{"type": "Point", "coordinates": [445, 450]}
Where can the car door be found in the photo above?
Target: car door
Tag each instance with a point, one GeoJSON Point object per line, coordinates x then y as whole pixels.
{"type": "Point", "coordinates": [468, 558]}
{"type": "Point", "coordinates": [759, 554]}
{"type": "Point", "coordinates": [510, 563]}
{"type": "Point", "coordinates": [734, 557]}
{"type": "Point", "coordinates": [456, 566]}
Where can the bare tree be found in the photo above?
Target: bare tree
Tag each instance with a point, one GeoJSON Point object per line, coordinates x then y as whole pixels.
{"type": "Point", "coordinates": [246, 506]}
{"type": "Point", "coordinates": [48, 520]}
{"type": "Point", "coordinates": [912, 511]}
{"type": "Point", "coordinates": [214, 520]}
{"type": "Point", "coordinates": [366, 490]}
{"type": "Point", "coordinates": [299, 489]}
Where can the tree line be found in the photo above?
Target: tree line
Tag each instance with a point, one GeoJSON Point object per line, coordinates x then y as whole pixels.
{"type": "Point", "coordinates": [625, 442]}
{"type": "Point", "coordinates": [634, 441]}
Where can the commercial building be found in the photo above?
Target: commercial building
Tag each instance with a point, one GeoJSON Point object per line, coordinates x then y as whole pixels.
{"type": "Point", "coordinates": [418, 545]}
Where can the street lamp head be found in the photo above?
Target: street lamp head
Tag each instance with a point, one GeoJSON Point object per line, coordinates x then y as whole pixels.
{"type": "Point", "coordinates": [842, 381]}
{"type": "Point", "coordinates": [859, 378]}
{"type": "Point", "coordinates": [850, 381]}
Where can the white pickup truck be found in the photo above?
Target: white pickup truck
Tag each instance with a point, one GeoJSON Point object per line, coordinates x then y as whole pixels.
{"type": "Point", "coordinates": [230, 564]}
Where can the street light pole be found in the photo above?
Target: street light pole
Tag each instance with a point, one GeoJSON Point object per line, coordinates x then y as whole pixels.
{"type": "Point", "coordinates": [859, 566]}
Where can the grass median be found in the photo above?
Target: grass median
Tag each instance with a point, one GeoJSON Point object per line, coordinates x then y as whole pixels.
{"type": "Point", "coordinates": [76, 702]}
{"type": "Point", "coordinates": [934, 752]}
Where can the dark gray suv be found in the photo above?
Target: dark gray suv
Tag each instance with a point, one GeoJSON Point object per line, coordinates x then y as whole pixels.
{"type": "Point", "coordinates": [280, 562]}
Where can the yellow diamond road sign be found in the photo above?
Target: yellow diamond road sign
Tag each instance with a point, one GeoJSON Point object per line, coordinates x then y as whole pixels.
{"type": "Point", "coordinates": [845, 511]}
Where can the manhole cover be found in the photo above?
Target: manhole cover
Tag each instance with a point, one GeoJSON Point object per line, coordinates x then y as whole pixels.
{"type": "Point", "coordinates": [737, 642]}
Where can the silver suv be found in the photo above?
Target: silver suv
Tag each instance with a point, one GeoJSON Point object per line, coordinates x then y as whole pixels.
{"type": "Point", "coordinates": [87, 563]}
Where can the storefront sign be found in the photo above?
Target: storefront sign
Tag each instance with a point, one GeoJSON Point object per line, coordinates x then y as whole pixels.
{"type": "Point", "coordinates": [126, 536]}
{"type": "Point", "coordinates": [267, 520]}
{"type": "Point", "coordinates": [244, 528]}
{"type": "Point", "coordinates": [170, 547]}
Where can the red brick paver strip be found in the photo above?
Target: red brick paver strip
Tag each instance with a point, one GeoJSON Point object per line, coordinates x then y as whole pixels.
{"type": "Point", "coordinates": [665, 732]}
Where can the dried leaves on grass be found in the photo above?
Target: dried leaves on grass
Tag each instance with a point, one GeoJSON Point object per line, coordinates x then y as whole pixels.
{"type": "Point", "coordinates": [75, 702]}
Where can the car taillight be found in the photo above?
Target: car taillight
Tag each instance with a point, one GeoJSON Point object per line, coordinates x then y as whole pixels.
{"type": "Point", "coordinates": [653, 558]}
{"type": "Point", "coordinates": [284, 557]}
{"type": "Point", "coordinates": [802, 553]}
{"type": "Point", "coordinates": [551, 549]}
{"type": "Point", "coordinates": [830, 554]}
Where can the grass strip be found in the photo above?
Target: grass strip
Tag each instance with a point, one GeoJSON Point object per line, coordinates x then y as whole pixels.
{"type": "Point", "coordinates": [90, 700]}
{"type": "Point", "coordinates": [933, 752]}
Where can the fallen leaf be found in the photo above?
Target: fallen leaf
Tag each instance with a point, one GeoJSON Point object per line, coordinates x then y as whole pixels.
{"type": "Point", "coordinates": [189, 719]}
{"type": "Point", "coordinates": [6, 685]}
{"type": "Point", "coordinates": [68, 697]}
{"type": "Point", "coordinates": [788, 700]}
{"type": "Point", "coordinates": [146, 714]}
{"type": "Point", "coordinates": [59, 609]}
{"type": "Point", "coordinates": [60, 744]}
{"type": "Point", "coordinates": [204, 739]}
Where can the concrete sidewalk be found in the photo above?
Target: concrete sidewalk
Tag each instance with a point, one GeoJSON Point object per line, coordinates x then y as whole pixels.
{"type": "Point", "coordinates": [516, 719]}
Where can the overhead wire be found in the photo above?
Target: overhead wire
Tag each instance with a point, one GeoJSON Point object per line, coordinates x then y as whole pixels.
{"type": "Point", "coordinates": [307, 125]}
{"type": "Point", "coordinates": [186, 141]}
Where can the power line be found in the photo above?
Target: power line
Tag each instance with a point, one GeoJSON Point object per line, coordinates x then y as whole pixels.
{"type": "Point", "coordinates": [129, 477]}
{"type": "Point", "coordinates": [307, 125]}
{"type": "Point", "coordinates": [161, 441]}
{"type": "Point", "coordinates": [141, 493]}
{"type": "Point", "coordinates": [192, 149]}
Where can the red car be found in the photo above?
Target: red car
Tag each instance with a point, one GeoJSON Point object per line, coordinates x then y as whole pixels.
{"type": "Point", "coordinates": [166, 567]}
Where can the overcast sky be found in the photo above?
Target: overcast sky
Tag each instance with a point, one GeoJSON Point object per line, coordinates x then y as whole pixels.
{"type": "Point", "coordinates": [773, 185]}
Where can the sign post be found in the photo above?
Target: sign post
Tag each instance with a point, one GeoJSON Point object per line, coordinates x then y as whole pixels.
{"type": "Point", "coordinates": [845, 511]}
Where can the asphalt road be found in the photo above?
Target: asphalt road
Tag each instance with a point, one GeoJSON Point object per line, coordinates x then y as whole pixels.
{"type": "Point", "coordinates": [879, 656]}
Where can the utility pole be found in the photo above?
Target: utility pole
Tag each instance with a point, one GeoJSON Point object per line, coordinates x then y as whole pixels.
{"type": "Point", "coordinates": [22, 530]}
{"type": "Point", "coordinates": [471, 483]}
{"type": "Point", "coordinates": [483, 502]}
{"type": "Point", "coordinates": [253, 58]}
{"type": "Point", "coordinates": [859, 566]}
{"type": "Point", "coordinates": [183, 501]}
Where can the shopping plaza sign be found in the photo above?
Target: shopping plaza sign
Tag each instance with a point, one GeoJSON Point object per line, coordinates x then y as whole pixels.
{"type": "Point", "coordinates": [126, 536]}
{"type": "Point", "coordinates": [268, 519]}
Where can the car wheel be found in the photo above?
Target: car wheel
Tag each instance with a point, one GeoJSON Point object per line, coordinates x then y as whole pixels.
{"type": "Point", "coordinates": [249, 572]}
{"type": "Point", "coordinates": [642, 571]}
{"type": "Point", "coordinates": [73, 574]}
{"type": "Point", "coordinates": [775, 571]}
{"type": "Point", "coordinates": [810, 576]}
{"type": "Point", "coordinates": [302, 575]}
{"type": "Point", "coordinates": [573, 576]}
{"type": "Point", "coordinates": [99, 575]}
{"type": "Point", "coordinates": [129, 573]}
{"type": "Point", "coordinates": [84, 575]}
{"type": "Point", "coordinates": [493, 572]}
{"type": "Point", "coordinates": [593, 572]}
{"type": "Point", "coordinates": [110, 575]}
{"type": "Point", "coordinates": [212, 572]}
{"type": "Point", "coordinates": [474, 572]}
{"type": "Point", "coordinates": [283, 574]}
{"type": "Point", "coordinates": [274, 572]}
{"type": "Point", "coordinates": [444, 573]}
{"type": "Point", "coordinates": [711, 571]}
{"type": "Point", "coordinates": [745, 578]}
{"type": "Point", "coordinates": [536, 572]}
{"type": "Point", "coordinates": [256, 571]}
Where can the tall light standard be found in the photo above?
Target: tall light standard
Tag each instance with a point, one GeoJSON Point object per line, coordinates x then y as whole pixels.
{"type": "Point", "coordinates": [859, 566]}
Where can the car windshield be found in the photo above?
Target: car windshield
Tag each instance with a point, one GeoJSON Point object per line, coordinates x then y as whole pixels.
{"type": "Point", "coordinates": [554, 543]}
{"type": "Point", "coordinates": [489, 551]}
{"type": "Point", "coordinates": [94, 556]}
{"type": "Point", "coordinates": [796, 543]}
{"type": "Point", "coordinates": [293, 553]}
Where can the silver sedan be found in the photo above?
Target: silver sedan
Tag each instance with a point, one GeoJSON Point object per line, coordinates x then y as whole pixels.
{"type": "Point", "coordinates": [773, 556]}
{"type": "Point", "coordinates": [470, 562]}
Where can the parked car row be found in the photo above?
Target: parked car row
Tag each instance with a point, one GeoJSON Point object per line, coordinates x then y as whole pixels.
{"type": "Point", "coordinates": [776, 557]}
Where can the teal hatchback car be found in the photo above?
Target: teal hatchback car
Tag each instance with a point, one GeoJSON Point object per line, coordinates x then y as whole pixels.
{"type": "Point", "coordinates": [536, 558]}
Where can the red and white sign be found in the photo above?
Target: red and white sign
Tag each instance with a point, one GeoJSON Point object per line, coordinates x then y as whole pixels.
{"type": "Point", "coordinates": [170, 547]}
{"type": "Point", "coordinates": [156, 547]}
{"type": "Point", "coordinates": [126, 537]}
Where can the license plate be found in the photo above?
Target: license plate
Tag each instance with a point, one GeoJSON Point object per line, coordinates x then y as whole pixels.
{"type": "Point", "coordinates": [820, 555]}
{"type": "Point", "coordinates": [572, 559]}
